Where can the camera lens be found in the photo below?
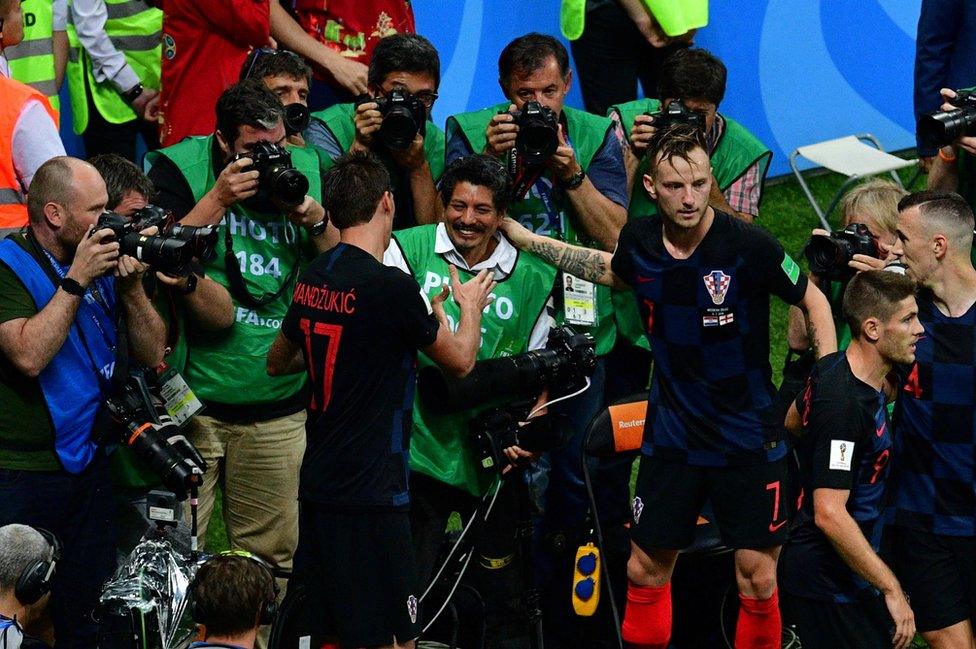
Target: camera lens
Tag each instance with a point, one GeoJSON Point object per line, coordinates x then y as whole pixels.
{"type": "Point", "coordinates": [288, 185]}
{"type": "Point", "coordinates": [399, 128]}
{"type": "Point", "coordinates": [296, 118]}
{"type": "Point", "coordinates": [202, 239]}
{"type": "Point", "coordinates": [941, 129]}
{"type": "Point", "coordinates": [163, 253]}
{"type": "Point", "coordinates": [827, 256]}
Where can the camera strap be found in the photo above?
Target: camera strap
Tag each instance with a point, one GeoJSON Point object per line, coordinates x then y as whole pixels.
{"type": "Point", "coordinates": [235, 277]}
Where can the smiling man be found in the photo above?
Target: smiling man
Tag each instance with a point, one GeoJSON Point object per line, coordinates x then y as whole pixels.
{"type": "Point", "coordinates": [934, 522]}
{"type": "Point", "coordinates": [702, 280]}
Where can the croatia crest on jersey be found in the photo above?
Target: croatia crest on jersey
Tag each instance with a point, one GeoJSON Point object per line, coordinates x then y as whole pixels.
{"type": "Point", "coordinates": [717, 283]}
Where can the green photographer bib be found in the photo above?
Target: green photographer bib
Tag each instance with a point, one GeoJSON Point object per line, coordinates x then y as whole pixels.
{"type": "Point", "coordinates": [439, 444]}
{"type": "Point", "coordinates": [557, 220]}
{"type": "Point", "coordinates": [228, 366]}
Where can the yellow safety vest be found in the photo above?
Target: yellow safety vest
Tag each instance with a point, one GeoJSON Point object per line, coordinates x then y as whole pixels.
{"type": "Point", "coordinates": [135, 29]}
{"type": "Point", "coordinates": [676, 17]}
{"type": "Point", "coordinates": [32, 61]}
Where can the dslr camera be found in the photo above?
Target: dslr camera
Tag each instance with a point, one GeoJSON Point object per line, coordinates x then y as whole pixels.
{"type": "Point", "coordinates": [942, 128]}
{"type": "Point", "coordinates": [538, 133]}
{"type": "Point", "coordinates": [828, 255]}
{"type": "Point", "coordinates": [404, 116]}
{"type": "Point", "coordinates": [168, 252]}
{"type": "Point", "coordinates": [296, 118]}
{"type": "Point", "coordinates": [677, 113]}
{"type": "Point", "coordinates": [278, 179]}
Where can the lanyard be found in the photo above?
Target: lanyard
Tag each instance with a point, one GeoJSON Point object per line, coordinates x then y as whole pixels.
{"type": "Point", "coordinates": [92, 296]}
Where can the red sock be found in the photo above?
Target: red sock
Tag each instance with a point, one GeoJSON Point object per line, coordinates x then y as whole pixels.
{"type": "Point", "coordinates": [760, 625]}
{"type": "Point", "coordinates": [647, 619]}
{"type": "Point", "coordinates": [330, 645]}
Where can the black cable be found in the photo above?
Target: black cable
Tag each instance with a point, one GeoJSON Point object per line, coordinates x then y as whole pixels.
{"type": "Point", "coordinates": [598, 532]}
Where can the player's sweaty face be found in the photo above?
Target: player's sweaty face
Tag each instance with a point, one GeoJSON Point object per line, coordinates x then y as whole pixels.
{"type": "Point", "coordinates": [681, 187]}
{"type": "Point", "coordinates": [901, 333]}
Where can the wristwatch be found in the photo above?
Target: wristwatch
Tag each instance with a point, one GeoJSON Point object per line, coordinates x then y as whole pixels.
{"type": "Point", "coordinates": [132, 93]}
{"type": "Point", "coordinates": [72, 287]}
{"type": "Point", "coordinates": [575, 180]}
{"type": "Point", "coordinates": [191, 285]}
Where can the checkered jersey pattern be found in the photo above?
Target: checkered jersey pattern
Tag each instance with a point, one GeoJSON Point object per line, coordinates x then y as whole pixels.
{"type": "Point", "coordinates": [934, 424]}
{"type": "Point", "coordinates": [712, 400]}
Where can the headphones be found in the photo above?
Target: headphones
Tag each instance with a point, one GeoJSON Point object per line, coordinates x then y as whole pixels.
{"type": "Point", "coordinates": [269, 608]}
{"type": "Point", "coordinates": [35, 580]}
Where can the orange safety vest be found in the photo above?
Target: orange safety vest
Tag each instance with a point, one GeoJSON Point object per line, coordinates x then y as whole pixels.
{"type": "Point", "coordinates": [13, 204]}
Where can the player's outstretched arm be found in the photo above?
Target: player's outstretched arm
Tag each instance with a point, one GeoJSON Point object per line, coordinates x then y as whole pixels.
{"type": "Point", "coordinates": [456, 352]}
{"type": "Point", "coordinates": [285, 357]}
{"type": "Point", "coordinates": [820, 322]}
{"type": "Point", "coordinates": [585, 263]}
{"type": "Point", "coordinates": [832, 517]}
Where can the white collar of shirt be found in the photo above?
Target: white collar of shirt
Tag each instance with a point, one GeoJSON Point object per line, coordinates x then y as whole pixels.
{"type": "Point", "coordinates": [501, 261]}
{"type": "Point", "coordinates": [4, 66]}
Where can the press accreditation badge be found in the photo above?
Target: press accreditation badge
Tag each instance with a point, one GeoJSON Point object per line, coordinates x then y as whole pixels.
{"type": "Point", "coordinates": [579, 301]}
{"type": "Point", "coordinates": [181, 403]}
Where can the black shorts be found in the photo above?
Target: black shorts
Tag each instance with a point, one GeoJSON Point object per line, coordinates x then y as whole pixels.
{"type": "Point", "coordinates": [749, 503]}
{"type": "Point", "coordinates": [357, 573]}
{"type": "Point", "coordinates": [864, 624]}
{"type": "Point", "coordinates": [939, 574]}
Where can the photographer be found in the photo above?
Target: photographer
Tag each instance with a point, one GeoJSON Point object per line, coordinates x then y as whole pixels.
{"type": "Point", "coordinates": [59, 307]}
{"type": "Point", "coordinates": [289, 77]}
{"type": "Point", "coordinates": [358, 324]}
{"type": "Point", "coordinates": [189, 299]}
{"type": "Point", "coordinates": [28, 563]}
{"type": "Point", "coordinates": [233, 594]}
{"type": "Point", "coordinates": [703, 280]}
{"type": "Point", "coordinates": [694, 81]}
{"type": "Point", "coordinates": [933, 532]}
{"type": "Point", "coordinates": [403, 67]}
{"type": "Point", "coordinates": [445, 474]}
{"type": "Point", "coordinates": [830, 568]}
{"type": "Point", "coordinates": [252, 434]}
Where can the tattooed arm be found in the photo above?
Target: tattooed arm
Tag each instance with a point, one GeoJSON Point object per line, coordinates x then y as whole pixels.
{"type": "Point", "coordinates": [820, 322]}
{"type": "Point", "coordinates": [592, 265]}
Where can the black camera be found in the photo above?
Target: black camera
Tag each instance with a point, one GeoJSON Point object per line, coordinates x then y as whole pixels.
{"type": "Point", "coordinates": [944, 127]}
{"type": "Point", "coordinates": [404, 116]}
{"type": "Point", "coordinates": [278, 179]}
{"type": "Point", "coordinates": [166, 254]}
{"type": "Point", "coordinates": [296, 118]}
{"type": "Point", "coordinates": [496, 429]}
{"type": "Point", "coordinates": [144, 426]}
{"type": "Point", "coordinates": [201, 239]}
{"type": "Point", "coordinates": [828, 255]}
{"type": "Point", "coordinates": [538, 133]}
{"type": "Point", "coordinates": [563, 366]}
{"type": "Point", "coordinates": [677, 113]}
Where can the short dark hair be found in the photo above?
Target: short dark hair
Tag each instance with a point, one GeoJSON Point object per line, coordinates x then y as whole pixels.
{"type": "Point", "coordinates": [481, 170]}
{"type": "Point", "coordinates": [53, 182]}
{"type": "Point", "coordinates": [403, 53]}
{"type": "Point", "coordinates": [946, 208]}
{"type": "Point", "coordinates": [273, 64]}
{"type": "Point", "coordinates": [247, 103]}
{"type": "Point", "coordinates": [229, 593]}
{"type": "Point", "coordinates": [676, 141]}
{"type": "Point", "coordinates": [529, 53]}
{"type": "Point", "coordinates": [692, 74]}
{"type": "Point", "coordinates": [353, 187]}
{"type": "Point", "coordinates": [874, 294]}
{"type": "Point", "coordinates": [121, 176]}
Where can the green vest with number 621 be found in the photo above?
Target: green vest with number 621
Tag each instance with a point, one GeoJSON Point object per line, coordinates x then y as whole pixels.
{"type": "Point", "coordinates": [135, 29]}
{"type": "Point", "coordinates": [228, 366]}
{"type": "Point", "coordinates": [586, 134]}
{"type": "Point", "coordinates": [440, 444]}
{"type": "Point", "coordinates": [32, 61]}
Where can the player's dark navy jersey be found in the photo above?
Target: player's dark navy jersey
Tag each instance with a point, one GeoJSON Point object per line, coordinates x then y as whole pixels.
{"type": "Point", "coordinates": [712, 401]}
{"type": "Point", "coordinates": [846, 444]}
{"type": "Point", "coordinates": [360, 324]}
{"type": "Point", "coordinates": [935, 486]}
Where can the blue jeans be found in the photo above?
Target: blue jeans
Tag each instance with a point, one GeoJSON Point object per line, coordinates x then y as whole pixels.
{"type": "Point", "coordinates": [78, 509]}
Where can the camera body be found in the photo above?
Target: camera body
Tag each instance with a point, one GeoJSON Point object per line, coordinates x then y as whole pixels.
{"type": "Point", "coordinates": [202, 239]}
{"type": "Point", "coordinates": [496, 429]}
{"type": "Point", "coordinates": [677, 113]}
{"type": "Point", "coordinates": [296, 118]}
{"type": "Point", "coordinates": [404, 116]}
{"type": "Point", "coordinates": [278, 179]}
{"type": "Point", "coordinates": [538, 133]}
{"type": "Point", "coordinates": [166, 254]}
{"type": "Point", "coordinates": [942, 128]}
{"type": "Point", "coordinates": [828, 256]}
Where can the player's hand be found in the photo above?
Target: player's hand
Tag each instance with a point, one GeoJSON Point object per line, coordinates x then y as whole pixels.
{"type": "Point", "coordinates": [967, 142]}
{"type": "Point", "coordinates": [94, 257]}
{"type": "Point", "coordinates": [500, 133]}
{"type": "Point", "coordinates": [437, 306]}
{"type": "Point", "coordinates": [413, 157]}
{"type": "Point", "coordinates": [641, 133]}
{"type": "Point", "coordinates": [236, 183]}
{"type": "Point", "coordinates": [903, 617]}
{"type": "Point", "coordinates": [475, 294]}
{"type": "Point", "coordinates": [563, 162]}
{"type": "Point", "coordinates": [518, 234]}
{"type": "Point", "coordinates": [368, 120]}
